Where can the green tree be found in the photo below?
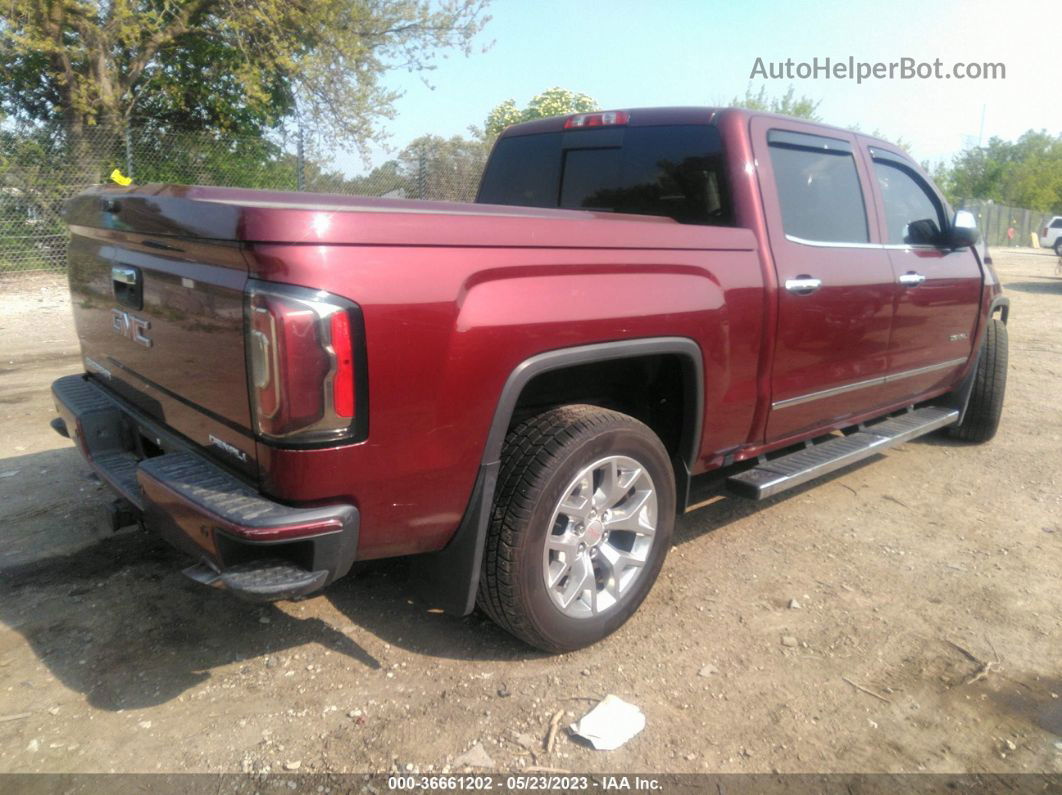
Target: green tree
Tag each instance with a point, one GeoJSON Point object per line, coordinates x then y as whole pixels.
{"type": "Point", "coordinates": [789, 104]}
{"type": "Point", "coordinates": [1022, 173]}
{"type": "Point", "coordinates": [248, 161]}
{"type": "Point", "coordinates": [442, 168]}
{"type": "Point", "coordinates": [551, 102]}
{"type": "Point", "coordinates": [232, 65]}
{"type": "Point", "coordinates": [386, 179]}
{"type": "Point", "coordinates": [32, 234]}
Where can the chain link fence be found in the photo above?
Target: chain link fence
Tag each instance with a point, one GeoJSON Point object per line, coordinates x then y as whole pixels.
{"type": "Point", "coordinates": [41, 168]}
{"type": "Point", "coordinates": [994, 221]}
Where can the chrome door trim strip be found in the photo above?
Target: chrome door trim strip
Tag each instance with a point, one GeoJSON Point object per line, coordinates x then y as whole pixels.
{"type": "Point", "coordinates": [825, 393]}
{"type": "Point", "coordinates": [827, 244]}
{"type": "Point", "coordinates": [885, 246]}
{"type": "Point", "coordinates": [879, 381]}
{"type": "Point", "coordinates": [929, 368]}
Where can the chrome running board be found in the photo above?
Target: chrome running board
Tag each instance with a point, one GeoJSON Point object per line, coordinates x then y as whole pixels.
{"type": "Point", "coordinates": [772, 477]}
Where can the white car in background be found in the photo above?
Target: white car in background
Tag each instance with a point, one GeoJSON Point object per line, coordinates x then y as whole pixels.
{"type": "Point", "coordinates": [1051, 235]}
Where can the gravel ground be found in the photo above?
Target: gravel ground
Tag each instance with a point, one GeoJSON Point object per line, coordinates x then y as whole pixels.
{"type": "Point", "coordinates": [904, 615]}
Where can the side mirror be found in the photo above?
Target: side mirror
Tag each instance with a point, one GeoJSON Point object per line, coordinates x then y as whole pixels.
{"type": "Point", "coordinates": [963, 230]}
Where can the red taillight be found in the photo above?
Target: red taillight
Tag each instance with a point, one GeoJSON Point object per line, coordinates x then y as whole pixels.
{"type": "Point", "coordinates": [302, 367]}
{"type": "Point", "coordinates": [606, 119]}
{"type": "Point", "coordinates": [1043, 232]}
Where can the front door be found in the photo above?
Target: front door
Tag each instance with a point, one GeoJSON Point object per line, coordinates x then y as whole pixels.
{"type": "Point", "coordinates": [836, 286]}
{"type": "Point", "coordinates": [939, 289]}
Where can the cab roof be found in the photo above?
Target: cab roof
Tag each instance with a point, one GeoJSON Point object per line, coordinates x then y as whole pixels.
{"type": "Point", "coordinates": [681, 114]}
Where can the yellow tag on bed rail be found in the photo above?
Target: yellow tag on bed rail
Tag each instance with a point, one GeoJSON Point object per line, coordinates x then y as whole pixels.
{"type": "Point", "coordinates": [120, 178]}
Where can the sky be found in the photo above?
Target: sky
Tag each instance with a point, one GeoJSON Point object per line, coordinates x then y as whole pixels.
{"type": "Point", "coordinates": [626, 53]}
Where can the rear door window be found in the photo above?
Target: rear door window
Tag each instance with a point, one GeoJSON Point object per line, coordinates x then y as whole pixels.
{"type": "Point", "coordinates": [818, 188]}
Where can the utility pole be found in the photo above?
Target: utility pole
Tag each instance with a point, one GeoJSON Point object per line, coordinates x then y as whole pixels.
{"type": "Point", "coordinates": [128, 153]}
{"type": "Point", "coordinates": [300, 162]}
{"type": "Point", "coordinates": [422, 174]}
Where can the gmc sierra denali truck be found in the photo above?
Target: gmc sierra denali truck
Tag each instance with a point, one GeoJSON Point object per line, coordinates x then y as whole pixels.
{"type": "Point", "coordinates": [521, 391]}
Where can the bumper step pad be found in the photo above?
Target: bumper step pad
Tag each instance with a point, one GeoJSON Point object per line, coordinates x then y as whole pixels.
{"type": "Point", "coordinates": [199, 482]}
{"type": "Point", "coordinates": [260, 580]}
{"type": "Point", "coordinates": [237, 510]}
{"type": "Point", "coordinates": [247, 542]}
{"type": "Point", "coordinates": [786, 472]}
{"type": "Point", "coordinates": [119, 470]}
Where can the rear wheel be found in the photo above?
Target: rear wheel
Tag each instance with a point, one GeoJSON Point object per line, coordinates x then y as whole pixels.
{"type": "Point", "coordinates": [990, 383]}
{"type": "Point", "coordinates": [581, 524]}
{"type": "Point", "coordinates": [1058, 246]}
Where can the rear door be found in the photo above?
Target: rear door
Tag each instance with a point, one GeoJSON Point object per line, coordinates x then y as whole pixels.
{"type": "Point", "coordinates": [938, 289]}
{"type": "Point", "coordinates": [160, 322]}
{"type": "Point", "coordinates": [836, 284]}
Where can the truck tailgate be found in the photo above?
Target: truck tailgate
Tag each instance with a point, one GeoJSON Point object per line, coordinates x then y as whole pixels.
{"type": "Point", "coordinates": [160, 321]}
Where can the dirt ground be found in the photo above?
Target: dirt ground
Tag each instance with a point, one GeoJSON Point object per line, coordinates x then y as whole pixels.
{"type": "Point", "coordinates": [927, 614]}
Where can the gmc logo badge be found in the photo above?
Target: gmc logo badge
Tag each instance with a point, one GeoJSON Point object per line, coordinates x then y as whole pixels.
{"type": "Point", "coordinates": [130, 326]}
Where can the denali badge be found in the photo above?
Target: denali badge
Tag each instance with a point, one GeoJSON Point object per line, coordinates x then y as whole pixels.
{"type": "Point", "coordinates": [958, 337]}
{"type": "Point", "coordinates": [231, 449]}
{"type": "Point", "coordinates": [129, 325]}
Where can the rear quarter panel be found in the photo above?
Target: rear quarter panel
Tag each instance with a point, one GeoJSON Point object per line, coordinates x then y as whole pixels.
{"type": "Point", "coordinates": [445, 326]}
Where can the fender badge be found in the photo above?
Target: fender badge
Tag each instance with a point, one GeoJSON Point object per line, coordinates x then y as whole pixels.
{"type": "Point", "coordinates": [231, 449]}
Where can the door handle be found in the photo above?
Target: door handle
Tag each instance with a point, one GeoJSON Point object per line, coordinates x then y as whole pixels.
{"type": "Point", "coordinates": [911, 279]}
{"type": "Point", "coordinates": [124, 275]}
{"type": "Point", "coordinates": [803, 284]}
{"type": "Point", "coordinates": [128, 286]}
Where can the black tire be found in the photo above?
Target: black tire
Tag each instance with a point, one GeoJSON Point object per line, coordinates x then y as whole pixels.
{"type": "Point", "coordinates": [1058, 245]}
{"type": "Point", "coordinates": [539, 460]}
{"type": "Point", "coordinates": [990, 383]}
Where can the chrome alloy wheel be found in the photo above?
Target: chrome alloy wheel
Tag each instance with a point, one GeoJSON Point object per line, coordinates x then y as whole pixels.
{"type": "Point", "coordinates": [600, 536]}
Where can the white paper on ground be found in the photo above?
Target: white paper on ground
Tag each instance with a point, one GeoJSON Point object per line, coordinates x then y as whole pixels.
{"type": "Point", "coordinates": [610, 724]}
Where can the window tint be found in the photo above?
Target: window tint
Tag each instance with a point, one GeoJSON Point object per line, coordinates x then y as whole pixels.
{"type": "Point", "coordinates": [523, 170]}
{"type": "Point", "coordinates": [913, 215]}
{"type": "Point", "coordinates": [590, 175]}
{"type": "Point", "coordinates": [819, 192]}
{"type": "Point", "coordinates": [675, 171]}
{"type": "Point", "coordinates": [1057, 223]}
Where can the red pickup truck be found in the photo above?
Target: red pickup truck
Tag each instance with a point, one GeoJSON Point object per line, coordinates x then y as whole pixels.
{"type": "Point", "coordinates": [522, 392]}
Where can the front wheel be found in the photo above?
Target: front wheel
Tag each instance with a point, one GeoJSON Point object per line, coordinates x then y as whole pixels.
{"type": "Point", "coordinates": [990, 383]}
{"type": "Point", "coordinates": [581, 524]}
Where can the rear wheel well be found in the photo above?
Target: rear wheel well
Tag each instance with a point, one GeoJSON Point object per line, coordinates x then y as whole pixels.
{"type": "Point", "coordinates": [657, 389]}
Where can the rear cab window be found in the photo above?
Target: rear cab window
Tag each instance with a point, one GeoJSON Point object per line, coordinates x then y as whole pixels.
{"type": "Point", "coordinates": [675, 171]}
